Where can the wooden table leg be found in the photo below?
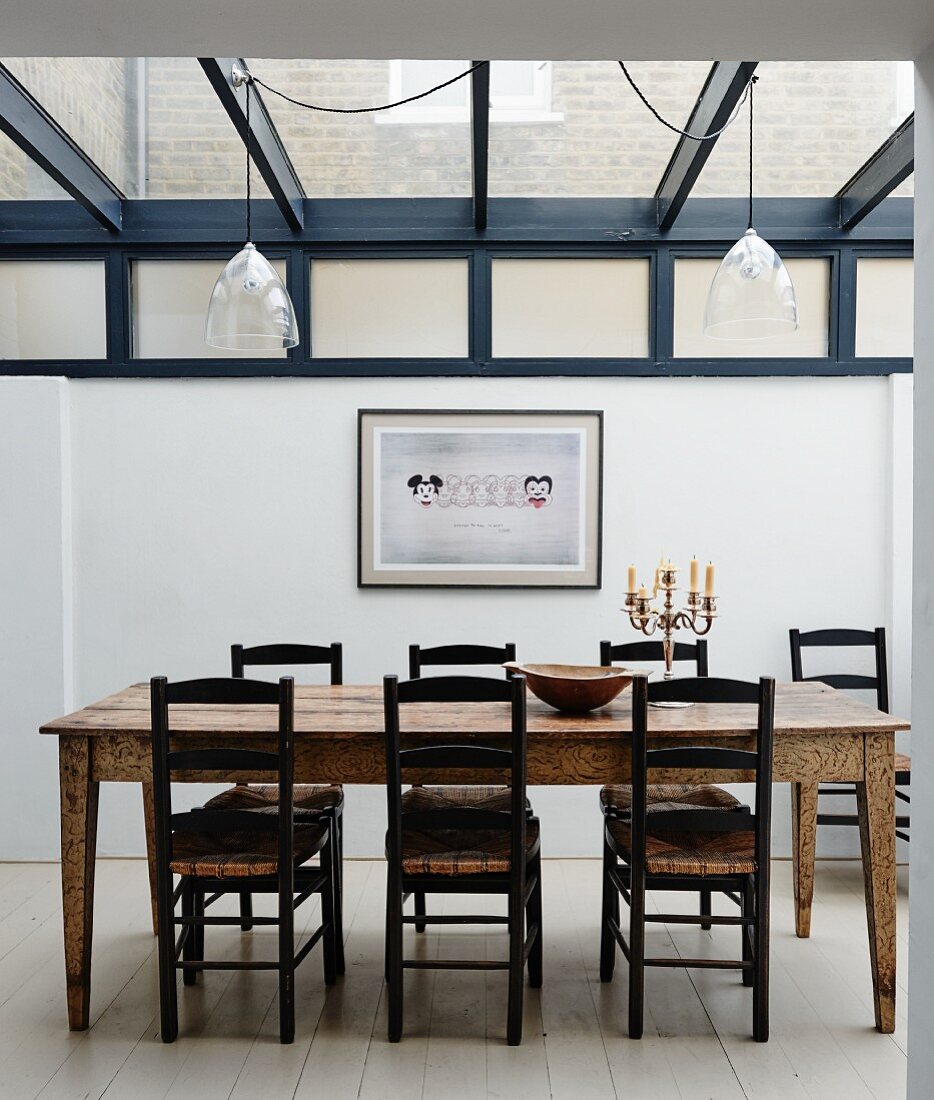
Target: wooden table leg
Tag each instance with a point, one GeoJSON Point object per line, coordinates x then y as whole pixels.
{"type": "Point", "coordinates": [803, 848]}
{"type": "Point", "coordinates": [149, 815]}
{"type": "Point", "coordinates": [79, 800]}
{"type": "Point", "coordinates": [876, 804]}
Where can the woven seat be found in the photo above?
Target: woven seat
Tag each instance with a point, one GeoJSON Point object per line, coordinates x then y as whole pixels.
{"type": "Point", "coordinates": [690, 853]}
{"type": "Point", "coordinates": [458, 798]}
{"type": "Point", "coordinates": [306, 796]}
{"type": "Point", "coordinates": [668, 796]}
{"type": "Point", "coordinates": [902, 763]}
{"type": "Point", "coordinates": [238, 854]}
{"type": "Point", "coordinates": [456, 852]}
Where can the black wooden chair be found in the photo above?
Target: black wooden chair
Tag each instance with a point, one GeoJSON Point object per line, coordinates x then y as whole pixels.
{"type": "Point", "coordinates": [439, 844]}
{"type": "Point", "coordinates": [462, 655]}
{"type": "Point", "coordinates": [454, 656]}
{"type": "Point", "coordinates": [677, 847]}
{"type": "Point", "coordinates": [325, 798]}
{"type": "Point", "coordinates": [217, 851]}
{"type": "Point", "coordinates": [617, 797]}
{"type": "Point", "coordinates": [879, 683]}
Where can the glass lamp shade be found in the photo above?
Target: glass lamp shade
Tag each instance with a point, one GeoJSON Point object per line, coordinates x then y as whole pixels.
{"type": "Point", "coordinates": [250, 309]}
{"type": "Point", "coordinates": [752, 296]}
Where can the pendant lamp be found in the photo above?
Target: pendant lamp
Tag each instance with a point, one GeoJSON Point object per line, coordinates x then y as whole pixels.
{"type": "Point", "coordinates": [250, 309]}
{"type": "Point", "coordinates": [752, 296]}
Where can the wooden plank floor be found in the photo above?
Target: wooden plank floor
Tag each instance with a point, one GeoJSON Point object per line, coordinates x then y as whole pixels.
{"type": "Point", "coordinates": [696, 1042]}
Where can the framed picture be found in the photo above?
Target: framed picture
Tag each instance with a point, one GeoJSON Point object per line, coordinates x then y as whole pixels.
{"type": "Point", "coordinates": [479, 499]}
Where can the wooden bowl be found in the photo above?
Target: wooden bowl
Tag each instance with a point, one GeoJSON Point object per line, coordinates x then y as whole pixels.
{"type": "Point", "coordinates": [576, 688]}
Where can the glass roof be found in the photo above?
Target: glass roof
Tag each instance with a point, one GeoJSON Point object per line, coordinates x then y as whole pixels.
{"type": "Point", "coordinates": [155, 126]}
{"type": "Point", "coordinates": [815, 125]}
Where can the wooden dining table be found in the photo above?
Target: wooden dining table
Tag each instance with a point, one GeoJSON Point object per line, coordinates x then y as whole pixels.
{"type": "Point", "coordinates": [821, 735]}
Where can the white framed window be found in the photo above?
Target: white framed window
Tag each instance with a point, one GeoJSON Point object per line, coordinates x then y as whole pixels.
{"type": "Point", "coordinates": [520, 91]}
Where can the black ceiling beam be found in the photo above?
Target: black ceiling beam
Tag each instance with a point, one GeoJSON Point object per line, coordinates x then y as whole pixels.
{"type": "Point", "coordinates": [889, 165]}
{"type": "Point", "coordinates": [726, 82]}
{"type": "Point", "coordinates": [26, 122]}
{"type": "Point", "coordinates": [480, 141]}
{"type": "Point", "coordinates": [269, 154]}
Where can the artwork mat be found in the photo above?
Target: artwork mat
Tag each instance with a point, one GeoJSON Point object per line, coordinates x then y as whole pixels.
{"type": "Point", "coordinates": [586, 424]}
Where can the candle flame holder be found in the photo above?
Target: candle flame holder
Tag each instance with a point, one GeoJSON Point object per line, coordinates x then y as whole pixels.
{"type": "Point", "coordinates": [697, 616]}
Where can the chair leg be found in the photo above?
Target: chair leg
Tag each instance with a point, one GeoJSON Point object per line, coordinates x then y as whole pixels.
{"type": "Point", "coordinates": [760, 989]}
{"type": "Point", "coordinates": [168, 992]}
{"type": "Point", "coordinates": [190, 946]}
{"type": "Point", "coordinates": [534, 916]}
{"type": "Point", "coordinates": [394, 971]}
{"type": "Point", "coordinates": [246, 912]}
{"type": "Point", "coordinates": [706, 907]}
{"type": "Point", "coordinates": [636, 955]}
{"type": "Point", "coordinates": [286, 969]}
{"type": "Point", "coordinates": [516, 968]}
{"type": "Point", "coordinates": [338, 823]}
{"type": "Point", "coordinates": [748, 910]}
{"type": "Point", "coordinates": [610, 908]}
{"type": "Point", "coordinates": [199, 928]}
{"type": "Point", "coordinates": [420, 911]}
{"type": "Point", "coordinates": [328, 905]}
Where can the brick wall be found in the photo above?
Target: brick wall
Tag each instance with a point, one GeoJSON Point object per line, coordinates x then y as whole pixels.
{"type": "Point", "coordinates": [815, 125]}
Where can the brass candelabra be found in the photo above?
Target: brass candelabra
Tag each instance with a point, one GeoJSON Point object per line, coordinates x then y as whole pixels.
{"type": "Point", "coordinates": [698, 615]}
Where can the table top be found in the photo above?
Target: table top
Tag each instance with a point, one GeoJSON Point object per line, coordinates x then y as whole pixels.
{"type": "Point", "coordinates": [356, 710]}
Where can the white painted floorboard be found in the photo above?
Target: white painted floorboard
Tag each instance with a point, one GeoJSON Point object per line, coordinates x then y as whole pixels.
{"type": "Point", "coordinates": [697, 1044]}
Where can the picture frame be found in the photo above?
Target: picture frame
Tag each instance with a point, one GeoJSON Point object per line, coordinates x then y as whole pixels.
{"type": "Point", "coordinates": [498, 498]}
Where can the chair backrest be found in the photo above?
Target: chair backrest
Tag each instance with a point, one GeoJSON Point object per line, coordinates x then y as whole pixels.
{"type": "Point", "coordinates": [459, 655]}
{"type": "Point", "coordinates": [832, 639]}
{"type": "Point", "coordinates": [226, 760]}
{"type": "Point", "coordinates": [706, 758]}
{"type": "Point", "coordinates": [654, 651]}
{"type": "Point", "coordinates": [286, 654]}
{"type": "Point", "coordinates": [460, 691]}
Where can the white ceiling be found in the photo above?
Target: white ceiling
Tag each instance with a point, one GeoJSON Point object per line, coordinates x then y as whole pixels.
{"type": "Point", "coordinates": [555, 29]}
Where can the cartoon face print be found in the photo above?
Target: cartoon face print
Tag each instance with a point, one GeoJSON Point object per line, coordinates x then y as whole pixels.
{"type": "Point", "coordinates": [538, 491]}
{"type": "Point", "coordinates": [424, 489]}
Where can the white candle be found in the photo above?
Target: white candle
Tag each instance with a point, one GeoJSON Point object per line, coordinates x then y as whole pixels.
{"type": "Point", "coordinates": [695, 576]}
{"type": "Point", "coordinates": [708, 586]}
{"type": "Point", "coordinates": [632, 579]}
{"type": "Point", "coordinates": [643, 593]}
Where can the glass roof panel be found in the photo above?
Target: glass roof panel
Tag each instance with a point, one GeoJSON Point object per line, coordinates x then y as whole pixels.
{"type": "Point", "coordinates": [22, 178]}
{"type": "Point", "coordinates": [815, 125]}
{"type": "Point", "coordinates": [422, 149]}
{"type": "Point", "coordinates": [577, 128]}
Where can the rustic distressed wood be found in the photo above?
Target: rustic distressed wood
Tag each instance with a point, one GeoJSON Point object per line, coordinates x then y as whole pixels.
{"type": "Point", "coordinates": [149, 819]}
{"type": "Point", "coordinates": [803, 850]}
{"type": "Point", "coordinates": [875, 800]}
{"type": "Point", "coordinates": [79, 801]}
{"type": "Point", "coordinates": [820, 735]}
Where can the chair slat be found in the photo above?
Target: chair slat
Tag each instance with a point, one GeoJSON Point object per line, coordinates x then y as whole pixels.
{"type": "Point", "coordinates": [844, 680]}
{"type": "Point", "coordinates": [837, 637]}
{"type": "Point", "coordinates": [224, 821]}
{"type": "Point", "coordinates": [455, 689]}
{"type": "Point", "coordinates": [700, 821]}
{"type": "Point", "coordinates": [702, 756]}
{"type": "Point", "coordinates": [704, 689]}
{"type": "Point", "coordinates": [466, 817]}
{"type": "Point", "coordinates": [455, 756]}
{"type": "Point", "coordinates": [220, 690]}
{"type": "Point", "coordinates": [223, 759]}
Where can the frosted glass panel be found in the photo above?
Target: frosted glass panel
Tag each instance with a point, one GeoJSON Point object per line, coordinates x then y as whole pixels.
{"type": "Point", "coordinates": [53, 309]}
{"type": "Point", "coordinates": [170, 301]}
{"type": "Point", "coordinates": [563, 308]}
{"type": "Point", "coordinates": [811, 278]}
{"type": "Point", "coordinates": [884, 307]}
{"type": "Point", "coordinates": [374, 309]}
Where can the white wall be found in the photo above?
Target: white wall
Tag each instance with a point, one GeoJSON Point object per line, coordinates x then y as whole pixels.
{"type": "Point", "coordinates": [35, 608]}
{"type": "Point", "coordinates": [212, 512]}
{"type": "Point", "coordinates": [921, 981]}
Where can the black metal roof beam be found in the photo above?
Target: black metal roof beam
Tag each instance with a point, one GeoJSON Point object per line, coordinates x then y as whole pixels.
{"type": "Point", "coordinates": [269, 154]}
{"type": "Point", "coordinates": [726, 82]}
{"type": "Point", "coordinates": [480, 141]}
{"type": "Point", "coordinates": [26, 122]}
{"type": "Point", "coordinates": [889, 165]}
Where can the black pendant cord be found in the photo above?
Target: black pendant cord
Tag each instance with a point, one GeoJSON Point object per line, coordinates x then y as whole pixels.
{"type": "Point", "coordinates": [676, 129]}
{"type": "Point", "coordinates": [752, 84]}
{"type": "Point", "coordinates": [249, 152]}
{"type": "Point", "coordinates": [363, 110]}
